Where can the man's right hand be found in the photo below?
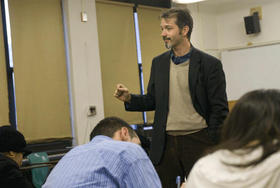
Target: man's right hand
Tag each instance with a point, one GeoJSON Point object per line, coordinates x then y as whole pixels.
{"type": "Point", "coordinates": [122, 93]}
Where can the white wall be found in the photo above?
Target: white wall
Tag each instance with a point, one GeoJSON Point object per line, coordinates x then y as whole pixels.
{"type": "Point", "coordinates": [223, 23]}
{"type": "Point", "coordinates": [231, 30]}
{"type": "Point", "coordinates": [245, 69]}
{"type": "Point", "coordinates": [219, 24]}
{"type": "Point", "coordinates": [204, 34]}
{"type": "Point", "coordinates": [250, 69]}
{"type": "Point", "coordinates": [84, 67]}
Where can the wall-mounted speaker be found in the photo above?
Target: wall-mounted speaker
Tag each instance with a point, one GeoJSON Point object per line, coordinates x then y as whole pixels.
{"type": "Point", "coordinates": [252, 24]}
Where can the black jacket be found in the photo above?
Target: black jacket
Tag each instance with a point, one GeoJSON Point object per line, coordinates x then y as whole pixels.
{"type": "Point", "coordinates": [207, 89]}
{"type": "Point", "coordinates": [10, 175]}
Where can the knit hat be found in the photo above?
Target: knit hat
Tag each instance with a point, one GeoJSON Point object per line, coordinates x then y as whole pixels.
{"type": "Point", "coordinates": [12, 140]}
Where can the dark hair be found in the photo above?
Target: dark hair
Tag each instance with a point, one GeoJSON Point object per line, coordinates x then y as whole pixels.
{"type": "Point", "coordinates": [255, 117]}
{"type": "Point", "coordinates": [108, 126]}
{"type": "Point", "coordinates": [183, 18]}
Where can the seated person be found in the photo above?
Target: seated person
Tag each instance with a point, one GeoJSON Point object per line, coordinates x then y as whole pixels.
{"type": "Point", "coordinates": [113, 158]}
{"type": "Point", "coordinates": [249, 153]}
{"type": "Point", "coordinates": [12, 150]}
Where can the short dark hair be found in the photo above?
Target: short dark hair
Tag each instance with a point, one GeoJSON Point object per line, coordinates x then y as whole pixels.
{"type": "Point", "coordinates": [108, 126]}
{"type": "Point", "coordinates": [183, 18]}
{"type": "Point", "coordinates": [255, 117]}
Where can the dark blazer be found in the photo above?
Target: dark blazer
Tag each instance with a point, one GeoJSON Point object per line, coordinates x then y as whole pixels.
{"type": "Point", "coordinates": [207, 89]}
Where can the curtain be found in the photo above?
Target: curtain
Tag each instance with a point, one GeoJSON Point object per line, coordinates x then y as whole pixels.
{"type": "Point", "coordinates": [42, 100]}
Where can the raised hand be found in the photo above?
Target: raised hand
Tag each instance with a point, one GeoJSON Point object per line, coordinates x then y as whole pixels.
{"type": "Point", "coordinates": [122, 93]}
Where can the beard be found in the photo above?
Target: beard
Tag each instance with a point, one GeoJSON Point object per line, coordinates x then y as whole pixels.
{"type": "Point", "coordinates": [167, 45]}
{"type": "Point", "coordinates": [175, 40]}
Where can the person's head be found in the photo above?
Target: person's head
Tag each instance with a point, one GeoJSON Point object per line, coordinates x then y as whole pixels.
{"type": "Point", "coordinates": [12, 144]}
{"type": "Point", "coordinates": [254, 121]}
{"type": "Point", "coordinates": [176, 25]}
{"type": "Point", "coordinates": [115, 128]}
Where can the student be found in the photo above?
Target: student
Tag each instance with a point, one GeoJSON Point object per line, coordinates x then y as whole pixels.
{"type": "Point", "coordinates": [113, 158]}
{"type": "Point", "coordinates": [249, 154]}
{"type": "Point", "coordinates": [12, 150]}
{"type": "Point", "coordinates": [187, 90]}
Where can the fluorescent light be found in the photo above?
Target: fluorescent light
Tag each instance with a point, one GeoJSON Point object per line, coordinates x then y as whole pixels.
{"type": "Point", "coordinates": [186, 1]}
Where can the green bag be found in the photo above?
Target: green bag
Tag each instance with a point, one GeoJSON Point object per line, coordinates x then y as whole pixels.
{"type": "Point", "coordinates": [39, 175]}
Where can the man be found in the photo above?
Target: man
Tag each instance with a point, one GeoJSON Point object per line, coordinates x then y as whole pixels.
{"type": "Point", "coordinates": [108, 160]}
{"type": "Point", "coordinates": [187, 90]}
{"type": "Point", "coordinates": [12, 150]}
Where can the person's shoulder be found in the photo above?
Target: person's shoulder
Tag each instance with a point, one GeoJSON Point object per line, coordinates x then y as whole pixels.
{"type": "Point", "coordinates": [163, 55]}
{"type": "Point", "coordinates": [208, 163]}
{"type": "Point", "coordinates": [128, 147]}
{"type": "Point", "coordinates": [118, 146]}
{"type": "Point", "coordinates": [11, 174]}
{"type": "Point", "coordinates": [129, 151]}
{"type": "Point", "coordinates": [7, 164]}
{"type": "Point", "coordinates": [205, 57]}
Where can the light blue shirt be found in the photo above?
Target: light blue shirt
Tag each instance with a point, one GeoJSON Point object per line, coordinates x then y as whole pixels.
{"type": "Point", "coordinates": [104, 162]}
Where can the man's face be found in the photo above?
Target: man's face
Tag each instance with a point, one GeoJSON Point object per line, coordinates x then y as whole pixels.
{"type": "Point", "coordinates": [171, 34]}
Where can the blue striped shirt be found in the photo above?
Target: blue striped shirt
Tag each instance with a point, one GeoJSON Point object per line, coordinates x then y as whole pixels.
{"type": "Point", "coordinates": [104, 162]}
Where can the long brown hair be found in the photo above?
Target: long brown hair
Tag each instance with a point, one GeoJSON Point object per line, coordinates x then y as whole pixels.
{"type": "Point", "coordinates": [255, 117]}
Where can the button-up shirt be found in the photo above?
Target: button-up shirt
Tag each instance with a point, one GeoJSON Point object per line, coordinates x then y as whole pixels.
{"type": "Point", "coordinates": [104, 162]}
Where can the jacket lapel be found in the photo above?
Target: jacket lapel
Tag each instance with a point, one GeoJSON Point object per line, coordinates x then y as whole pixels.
{"type": "Point", "coordinates": [165, 74]}
{"type": "Point", "coordinates": [194, 71]}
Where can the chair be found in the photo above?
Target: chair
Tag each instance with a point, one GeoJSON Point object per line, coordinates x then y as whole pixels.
{"type": "Point", "coordinates": [39, 175]}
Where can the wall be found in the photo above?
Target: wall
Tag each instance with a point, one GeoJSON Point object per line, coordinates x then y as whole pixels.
{"type": "Point", "coordinates": [219, 25]}
{"type": "Point", "coordinates": [204, 34]}
{"type": "Point", "coordinates": [227, 17]}
{"type": "Point", "coordinates": [250, 69]}
{"type": "Point", "coordinates": [231, 30]}
{"type": "Point", "coordinates": [84, 67]}
{"type": "Point", "coordinates": [246, 69]}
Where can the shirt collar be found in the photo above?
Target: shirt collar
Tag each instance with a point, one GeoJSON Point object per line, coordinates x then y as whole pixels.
{"type": "Point", "coordinates": [99, 138]}
{"type": "Point", "coordinates": [180, 59]}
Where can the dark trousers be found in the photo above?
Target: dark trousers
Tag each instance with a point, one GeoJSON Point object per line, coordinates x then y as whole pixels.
{"type": "Point", "coordinates": [180, 154]}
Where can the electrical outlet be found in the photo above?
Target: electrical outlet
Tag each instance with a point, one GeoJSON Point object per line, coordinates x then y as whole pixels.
{"type": "Point", "coordinates": [84, 17]}
{"type": "Point", "coordinates": [91, 111]}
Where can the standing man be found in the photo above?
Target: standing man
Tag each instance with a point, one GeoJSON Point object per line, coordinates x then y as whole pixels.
{"type": "Point", "coordinates": [187, 90]}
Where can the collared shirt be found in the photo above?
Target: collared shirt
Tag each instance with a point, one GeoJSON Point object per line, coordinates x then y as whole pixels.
{"type": "Point", "coordinates": [180, 59]}
{"type": "Point", "coordinates": [104, 162]}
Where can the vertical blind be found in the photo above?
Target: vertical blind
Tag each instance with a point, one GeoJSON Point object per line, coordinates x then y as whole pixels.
{"type": "Point", "coordinates": [151, 42]}
{"type": "Point", "coordinates": [40, 69]}
{"type": "Point", "coordinates": [117, 46]}
{"type": "Point", "coordinates": [4, 103]}
{"type": "Point", "coordinates": [118, 56]}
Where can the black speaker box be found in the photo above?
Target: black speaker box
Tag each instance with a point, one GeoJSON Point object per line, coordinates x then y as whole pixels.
{"type": "Point", "coordinates": [252, 24]}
